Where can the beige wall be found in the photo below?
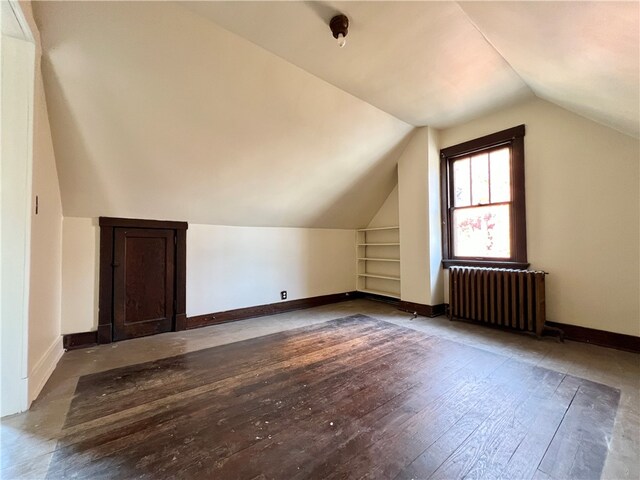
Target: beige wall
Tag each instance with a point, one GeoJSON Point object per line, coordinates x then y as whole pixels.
{"type": "Point", "coordinates": [45, 343]}
{"type": "Point", "coordinates": [150, 102]}
{"type": "Point", "coordinates": [80, 260]}
{"type": "Point", "coordinates": [15, 142]}
{"type": "Point", "coordinates": [583, 216]}
{"type": "Point", "coordinates": [387, 215]}
{"type": "Point", "coordinates": [577, 171]}
{"type": "Point", "coordinates": [227, 267]}
{"type": "Point", "coordinates": [434, 220]}
{"type": "Point", "coordinates": [27, 144]}
{"type": "Point", "coordinates": [420, 249]}
{"type": "Point", "coordinates": [235, 267]}
{"type": "Point", "coordinates": [414, 234]}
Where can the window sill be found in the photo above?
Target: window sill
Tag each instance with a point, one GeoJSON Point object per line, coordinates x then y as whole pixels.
{"type": "Point", "coordinates": [485, 263]}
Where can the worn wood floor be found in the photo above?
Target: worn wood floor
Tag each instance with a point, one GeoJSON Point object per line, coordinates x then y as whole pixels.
{"type": "Point", "coordinates": [350, 398]}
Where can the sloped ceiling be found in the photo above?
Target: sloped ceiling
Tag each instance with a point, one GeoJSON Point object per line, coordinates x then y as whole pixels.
{"type": "Point", "coordinates": [583, 56]}
{"type": "Point", "coordinates": [247, 113]}
{"type": "Point", "coordinates": [442, 63]}
{"type": "Point", "coordinates": [423, 62]}
{"type": "Point", "coordinates": [159, 113]}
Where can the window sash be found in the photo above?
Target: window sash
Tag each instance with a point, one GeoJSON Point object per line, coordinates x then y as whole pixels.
{"type": "Point", "coordinates": [486, 257]}
{"type": "Point", "coordinates": [470, 156]}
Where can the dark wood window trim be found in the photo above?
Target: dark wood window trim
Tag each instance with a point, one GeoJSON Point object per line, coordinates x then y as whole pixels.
{"type": "Point", "coordinates": [105, 293]}
{"type": "Point", "coordinates": [514, 138]}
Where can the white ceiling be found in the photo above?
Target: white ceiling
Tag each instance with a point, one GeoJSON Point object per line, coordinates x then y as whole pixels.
{"type": "Point", "coordinates": [13, 22]}
{"type": "Point", "coordinates": [583, 56]}
{"type": "Point", "coordinates": [442, 63]}
{"type": "Point", "coordinates": [423, 62]}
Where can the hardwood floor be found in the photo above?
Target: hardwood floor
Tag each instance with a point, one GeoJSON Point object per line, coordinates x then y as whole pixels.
{"type": "Point", "coordinates": [350, 398]}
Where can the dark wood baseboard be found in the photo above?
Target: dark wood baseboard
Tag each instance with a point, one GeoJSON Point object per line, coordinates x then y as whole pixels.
{"type": "Point", "coordinates": [575, 333]}
{"type": "Point", "coordinates": [421, 309]}
{"type": "Point", "coordinates": [619, 341]}
{"type": "Point", "coordinates": [72, 341]}
{"type": "Point", "coordinates": [269, 309]}
{"type": "Point", "coordinates": [378, 298]}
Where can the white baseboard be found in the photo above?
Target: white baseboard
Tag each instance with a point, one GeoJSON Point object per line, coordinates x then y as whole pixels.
{"type": "Point", "coordinates": [44, 368]}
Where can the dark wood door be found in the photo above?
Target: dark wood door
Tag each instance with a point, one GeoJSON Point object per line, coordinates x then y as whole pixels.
{"type": "Point", "coordinates": [143, 282]}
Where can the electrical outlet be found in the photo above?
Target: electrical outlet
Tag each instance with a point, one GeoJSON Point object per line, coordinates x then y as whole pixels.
{"type": "Point", "coordinates": [283, 295]}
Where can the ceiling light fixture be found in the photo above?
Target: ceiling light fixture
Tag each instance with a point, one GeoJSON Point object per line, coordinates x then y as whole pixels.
{"type": "Point", "coordinates": [340, 27]}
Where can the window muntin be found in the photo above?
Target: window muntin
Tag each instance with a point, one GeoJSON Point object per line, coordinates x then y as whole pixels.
{"type": "Point", "coordinates": [483, 201]}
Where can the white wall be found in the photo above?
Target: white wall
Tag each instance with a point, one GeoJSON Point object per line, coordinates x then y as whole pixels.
{"type": "Point", "coordinates": [435, 273]}
{"type": "Point", "coordinates": [234, 267]}
{"type": "Point", "coordinates": [420, 249]}
{"type": "Point", "coordinates": [583, 212]}
{"type": "Point", "coordinates": [31, 242]}
{"type": "Point", "coordinates": [227, 267]}
{"type": "Point", "coordinates": [17, 104]}
{"type": "Point", "coordinates": [387, 215]}
{"type": "Point", "coordinates": [80, 260]}
{"type": "Point", "coordinates": [414, 234]}
{"type": "Point", "coordinates": [45, 342]}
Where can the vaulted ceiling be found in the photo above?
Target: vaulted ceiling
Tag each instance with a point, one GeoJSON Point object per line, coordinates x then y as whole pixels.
{"type": "Point", "coordinates": [423, 62]}
{"type": "Point", "coordinates": [442, 63]}
{"type": "Point", "coordinates": [247, 113]}
{"type": "Point", "coordinates": [158, 113]}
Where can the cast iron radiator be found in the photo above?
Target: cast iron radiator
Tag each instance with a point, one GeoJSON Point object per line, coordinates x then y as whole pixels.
{"type": "Point", "coordinates": [498, 296]}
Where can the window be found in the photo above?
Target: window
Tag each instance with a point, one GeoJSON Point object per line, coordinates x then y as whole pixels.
{"type": "Point", "coordinates": [483, 204]}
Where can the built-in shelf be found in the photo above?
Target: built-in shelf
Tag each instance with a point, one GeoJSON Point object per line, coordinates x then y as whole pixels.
{"type": "Point", "coordinates": [384, 277]}
{"type": "Point", "coordinates": [379, 292]}
{"type": "Point", "coordinates": [373, 229]}
{"type": "Point", "coordinates": [380, 259]}
{"type": "Point", "coordinates": [378, 267]}
{"type": "Point", "coordinates": [376, 244]}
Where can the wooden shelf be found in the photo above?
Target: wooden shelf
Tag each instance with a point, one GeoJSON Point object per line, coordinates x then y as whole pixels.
{"type": "Point", "coordinates": [386, 261]}
{"type": "Point", "coordinates": [380, 292]}
{"type": "Point", "coordinates": [377, 228]}
{"type": "Point", "coordinates": [380, 259]}
{"type": "Point", "coordinates": [374, 275]}
{"type": "Point", "coordinates": [376, 244]}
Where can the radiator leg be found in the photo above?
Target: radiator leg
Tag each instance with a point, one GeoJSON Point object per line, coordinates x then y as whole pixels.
{"type": "Point", "coordinates": [553, 330]}
{"type": "Point", "coordinates": [450, 313]}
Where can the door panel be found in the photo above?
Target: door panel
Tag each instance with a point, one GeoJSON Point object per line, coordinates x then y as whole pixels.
{"type": "Point", "coordinates": [143, 276]}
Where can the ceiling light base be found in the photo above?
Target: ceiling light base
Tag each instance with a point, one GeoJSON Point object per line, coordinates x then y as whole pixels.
{"type": "Point", "coordinates": [339, 25]}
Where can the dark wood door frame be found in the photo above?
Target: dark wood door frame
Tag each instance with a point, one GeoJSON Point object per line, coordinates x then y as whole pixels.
{"type": "Point", "coordinates": [107, 238]}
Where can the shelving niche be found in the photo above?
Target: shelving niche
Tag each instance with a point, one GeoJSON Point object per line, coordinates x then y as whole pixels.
{"type": "Point", "coordinates": [378, 261]}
